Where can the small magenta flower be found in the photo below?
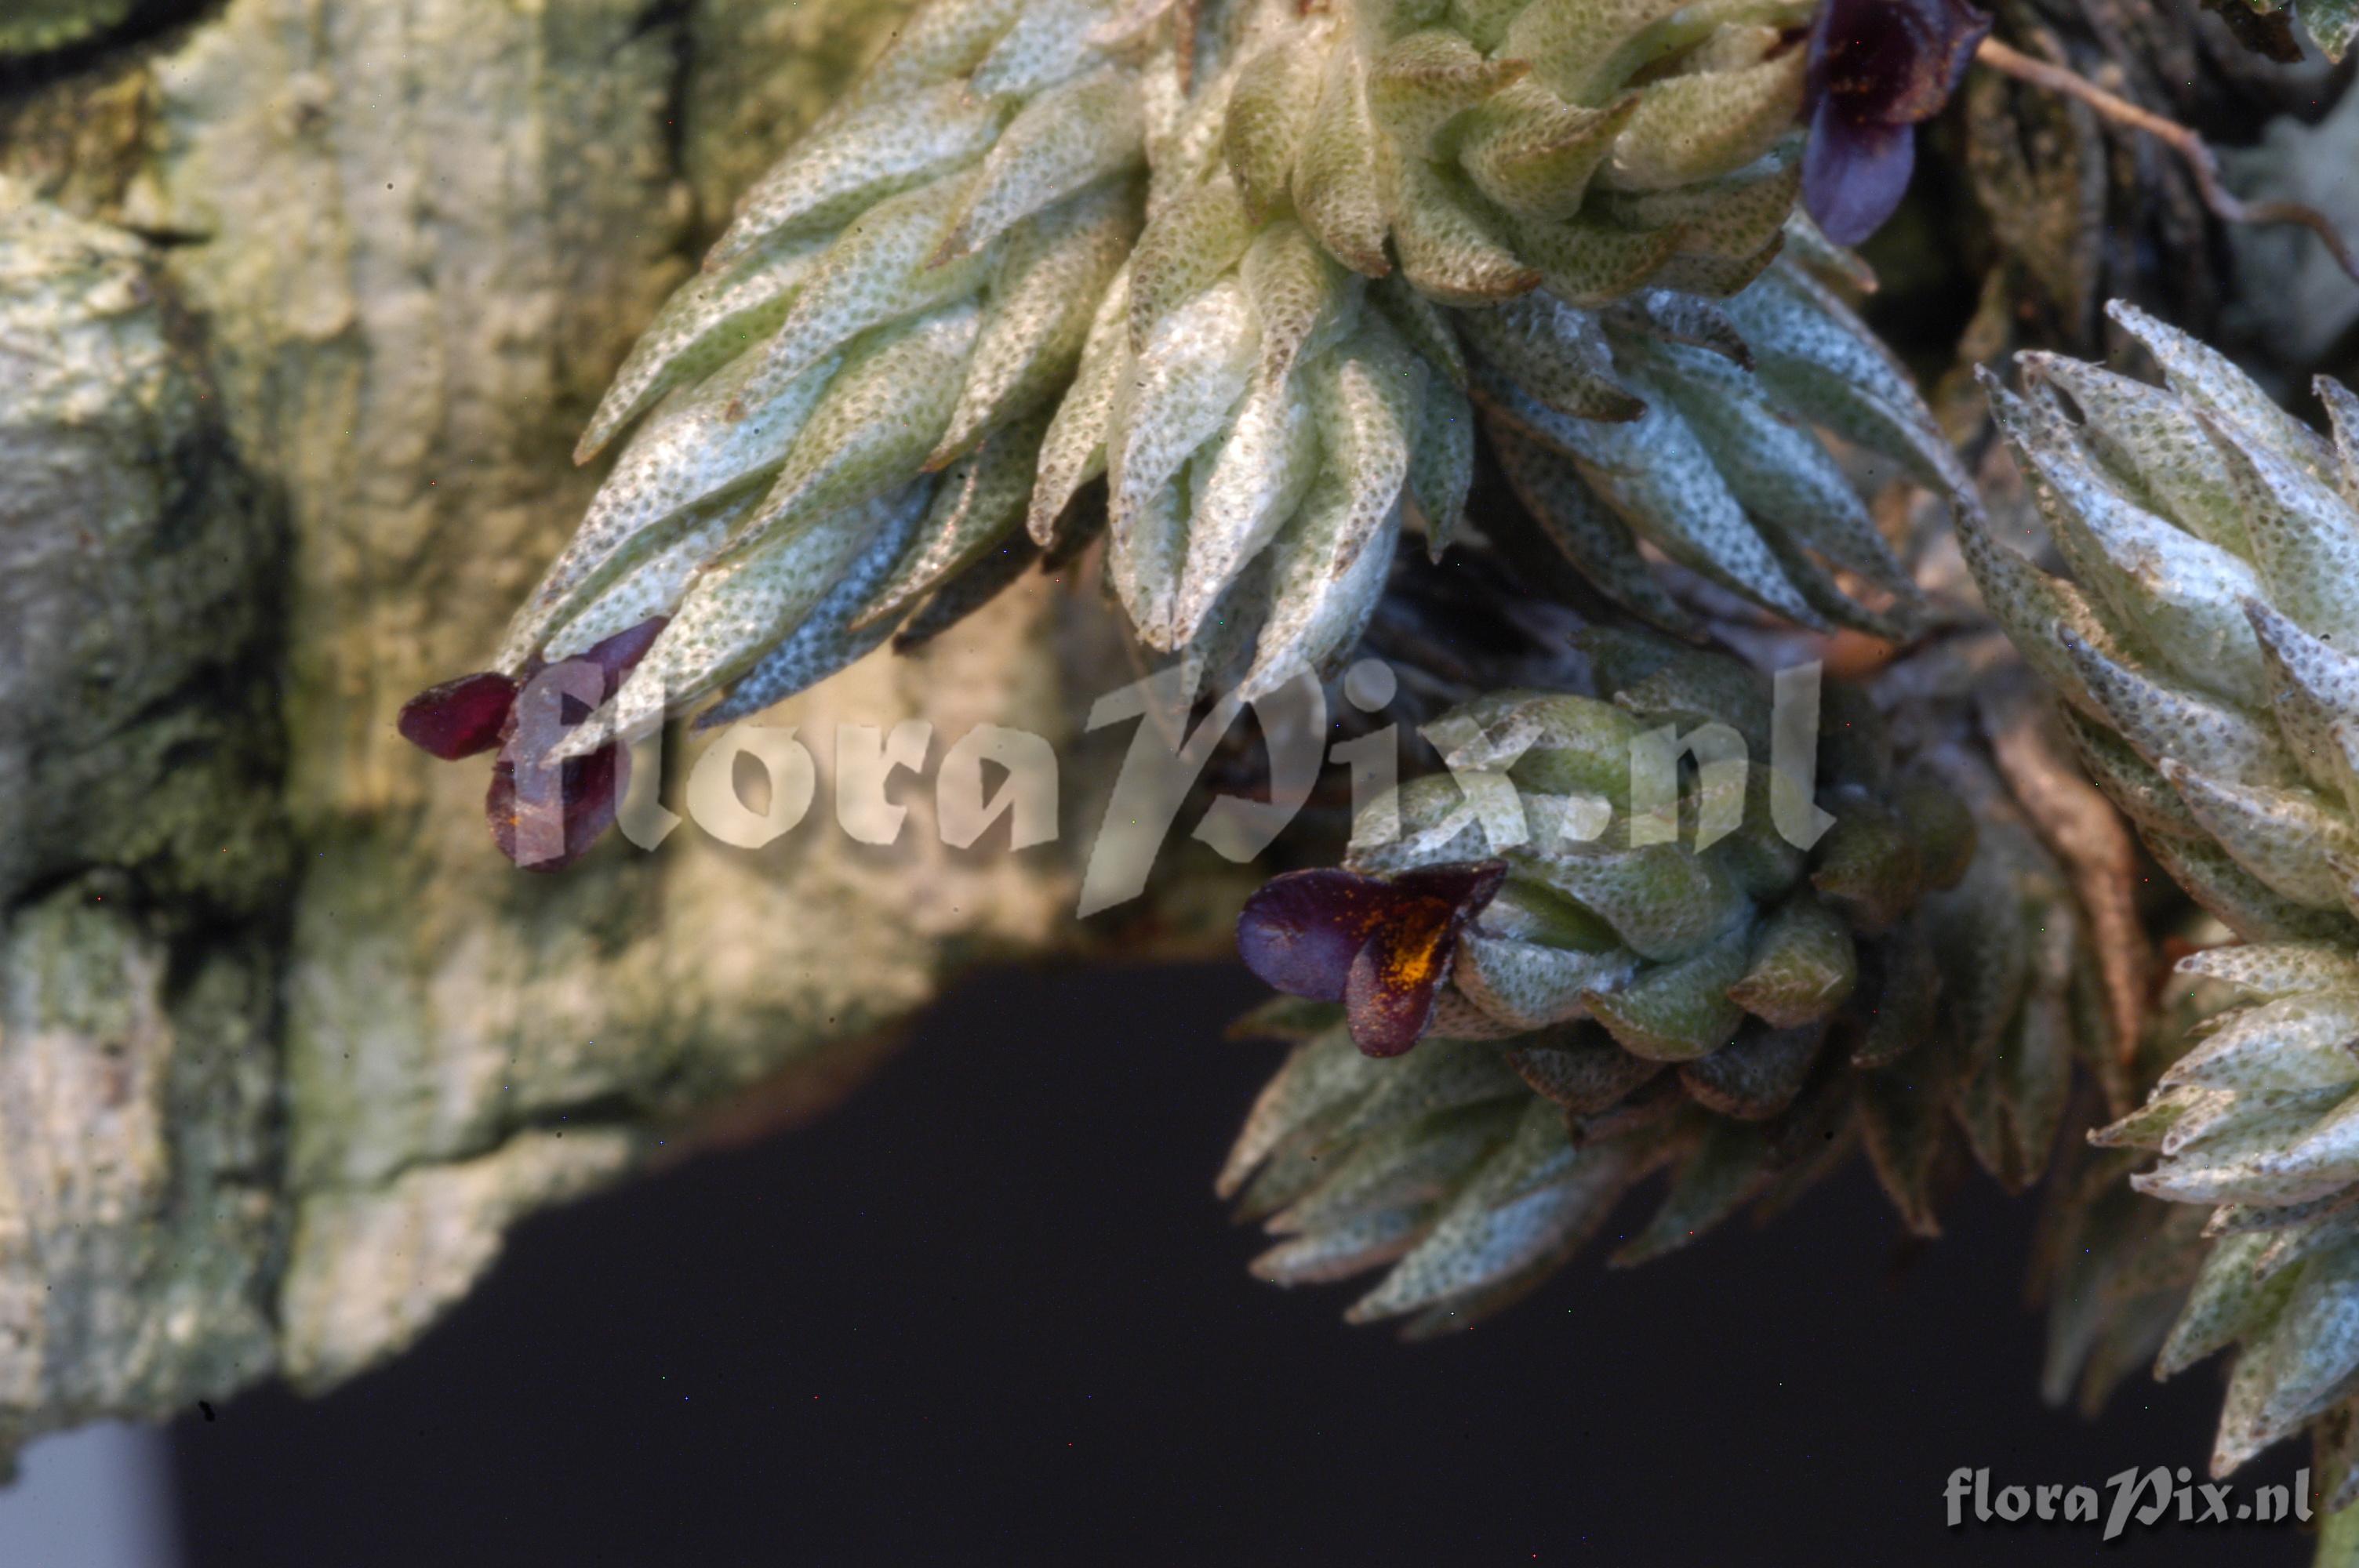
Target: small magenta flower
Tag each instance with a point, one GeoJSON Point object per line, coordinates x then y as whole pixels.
{"type": "Point", "coordinates": [552, 820]}
{"type": "Point", "coordinates": [1381, 948]}
{"type": "Point", "coordinates": [1878, 68]}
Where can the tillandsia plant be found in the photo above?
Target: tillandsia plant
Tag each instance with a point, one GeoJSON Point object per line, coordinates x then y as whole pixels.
{"type": "Point", "coordinates": [2213, 545]}
{"type": "Point", "coordinates": [1257, 268]}
{"type": "Point", "coordinates": [1540, 990]}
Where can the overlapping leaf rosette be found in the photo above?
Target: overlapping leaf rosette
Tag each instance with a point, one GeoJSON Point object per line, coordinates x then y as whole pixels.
{"type": "Point", "coordinates": [938, 321]}
{"type": "Point", "coordinates": [1536, 994]}
{"type": "Point", "coordinates": [2213, 546]}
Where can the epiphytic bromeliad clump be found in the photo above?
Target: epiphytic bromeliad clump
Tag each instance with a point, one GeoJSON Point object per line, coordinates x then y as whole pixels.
{"type": "Point", "coordinates": [2202, 650]}
{"type": "Point", "coordinates": [1236, 285]}
{"type": "Point", "coordinates": [1540, 990]}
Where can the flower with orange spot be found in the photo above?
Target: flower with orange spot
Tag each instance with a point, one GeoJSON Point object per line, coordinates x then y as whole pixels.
{"type": "Point", "coordinates": [1382, 947]}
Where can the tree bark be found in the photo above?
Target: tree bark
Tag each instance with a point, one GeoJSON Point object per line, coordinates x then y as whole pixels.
{"type": "Point", "coordinates": [302, 304]}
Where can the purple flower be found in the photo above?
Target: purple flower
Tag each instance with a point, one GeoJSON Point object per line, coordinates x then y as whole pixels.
{"type": "Point", "coordinates": [1877, 70]}
{"type": "Point", "coordinates": [541, 828]}
{"type": "Point", "coordinates": [1382, 948]}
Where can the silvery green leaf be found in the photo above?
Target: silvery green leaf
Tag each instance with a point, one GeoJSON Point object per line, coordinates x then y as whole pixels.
{"type": "Point", "coordinates": [1187, 376]}
{"type": "Point", "coordinates": [1661, 900]}
{"type": "Point", "coordinates": [1145, 554]}
{"type": "Point", "coordinates": [1412, 1166]}
{"type": "Point", "coordinates": [880, 417]}
{"type": "Point", "coordinates": [2280, 1153]}
{"type": "Point", "coordinates": [1328, 566]}
{"type": "Point", "coordinates": [1069, 138]}
{"type": "Point", "coordinates": [978, 502]}
{"type": "Point", "coordinates": [2146, 435]}
{"type": "Point", "coordinates": [1188, 249]}
{"type": "Point", "coordinates": [2305, 541]}
{"type": "Point", "coordinates": [2343, 410]}
{"type": "Point", "coordinates": [1756, 1076]}
{"type": "Point", "coordinates": [2320, 1327]}
{"type": "Point", "coordinates": [877, 271]}
{"type": "Point", "coordinates": [1704, 123]}
{"type": "Point", "coordinates": [1588, 262]}
{"type": "Point", "coordinates": [1780, 472]}
{"type": "Point", "coordinates": [1244, 486]}
{"type": "Point", "coordinates": [1049, 42]}
{"type": "Point", "coordinates": [1425, 80]}
{"type": "Point", "coordinates": [2286, 837]}
{"type": "Point", "coordinates": [2296, 1042]}
{"type": "Point", "coordinates": [691, 454]}
{"type": "Point", "coordinates": [857, 160]}
{"type": "Point", "coordinates": [1730, 1166]}
{"type": "Point", "coordinates": [1587, 50]}
{"type": "Point", "coordinates": [1320, 1076]}
{"type": "Point", "coordinates": [2146, 1127]}
{"type": "Point", "coordinates": [1324, 578]}
{"type": "Point", "coordinates": [652, 584]}
{"type": "Point", "coordinates": [969, 589]}
{"type": "Point", "coordinates": [1680, 319]}
{"type": "Point", "coordinates": [1823, 363]}
{"type": "Point", "coordinates": [1802, 968]}
{"type": "Point", "coordinates": [1533, 154]}
{"type": "Point", "coordinates": [1598, 545]}
{"type": "Point", "coordinates": [1555, 354]}
{"type": "Point", "coordinates": [2226, 1303]}
{"type": "Point", "coordinates": [1351, 1247]}
{"type": "Point", "coordinates": [1531, 985]}
{"type": "Point", "coordinates": [2163, 720]}
{"type": "Point", "coordinates": [2312, 687]}
{"type": "Point", "coordinates": [1903, 1127]}
{"type": "Point", "coordinates": [945, 39]}
{"type": "Point", "coordinates": [1441, 1074]}
{"type": "Point", "coordinates": [1051, 280]}
{"type": "Point", "coordinates": [1679, 1011]}
{"type": "Point", "coordinates": [2251, 910]}
{"type": "Point", "coordinates": [2206, 378]}
{"type": "Point", "coordinates": [1306, 302]}
{"type": "Point", "coordinates": [2033, 609]}
{"type": "Point", "coordinates": [1729, 229]}
{"type": "Point", "coordinates": [1334, 186]}
{"type": "Point", "coordinates": [1270, 112]}
{"type": "Point", "coordinates": [709, 320]}
{"type": "Point", "coordinates": [833, 636]}
{"type": "Point", "coordinates": [1425, 326]}
{"type": "Point", "coordinates": [1655, 473]}
{"type": "Point", "coordinates": [1441, 463]}
{"type": "Point", "coordinates": [1074, 450]}
{"type": "Point", "coordinates": [1449, 248]}
{"type": "Point", "coordinates": [2138, 792]}
{"type": "Point", "coordinates": [1525, 1203]}
{"type": "Point", "coordinates": [734, 612]}
{"type": "Point", "coordinates": [2276, 969]}
{"type": "Point", "coordinates": [2182, 598]}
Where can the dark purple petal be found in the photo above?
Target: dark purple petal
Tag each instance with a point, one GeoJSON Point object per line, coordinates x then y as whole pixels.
{"type": "Point", "coordinates": [1388, 996]}
{"type": "Point", "coordinates": [1466, 885]}
{"type": "Point", "coordinates": [1299, 932]}
{"type": "Point", "coordinates": [556, 822]}
{"type": "Point", "coordinates": [1891, 61]}
{"type": "Point", "coordinates": [619, 655]}
{"type": "Point", "coordinates": [1854, 175]}
{"type": "Point", "coordinates": [459, 718]}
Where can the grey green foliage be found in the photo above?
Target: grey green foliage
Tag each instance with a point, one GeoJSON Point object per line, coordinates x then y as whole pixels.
{"type": "Point", "coordinates": [1361, 234]}
{"type": "Point", "coordinates": [1746, 1015]}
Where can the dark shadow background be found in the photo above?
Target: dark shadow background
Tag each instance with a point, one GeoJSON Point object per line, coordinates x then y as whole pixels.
{"type": "Point", "coordinates": [988, 1312]}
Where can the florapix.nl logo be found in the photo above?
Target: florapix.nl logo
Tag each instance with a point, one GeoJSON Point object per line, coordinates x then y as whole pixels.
{"type": "Point", "coordinates": [1173, 740]}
